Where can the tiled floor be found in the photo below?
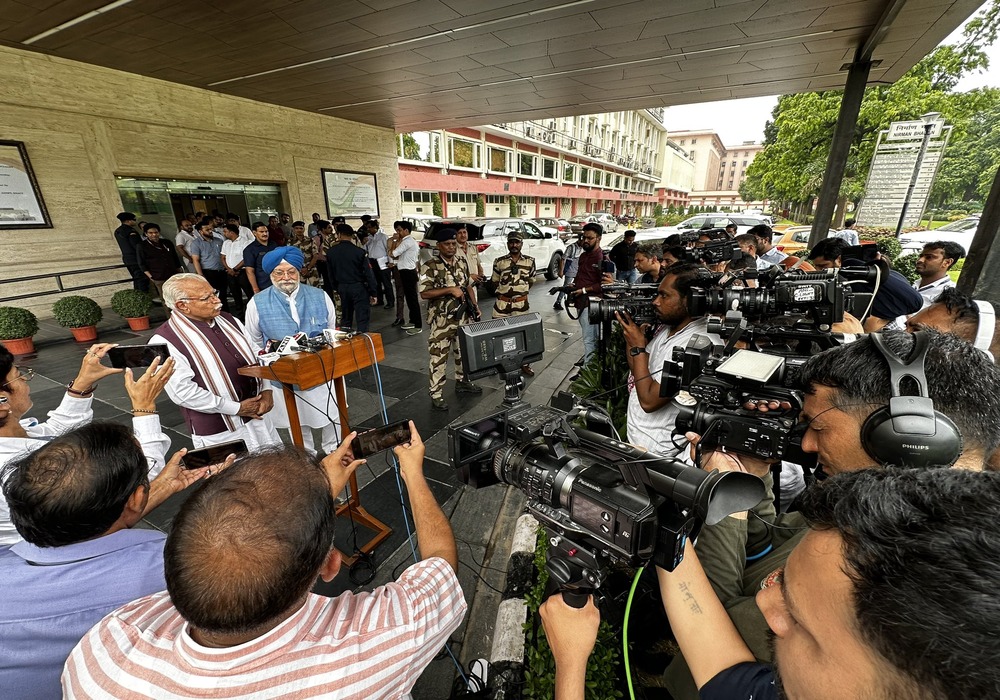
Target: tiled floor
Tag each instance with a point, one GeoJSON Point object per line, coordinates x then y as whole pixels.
{"type": "Point", "coordinates": [404, 388]}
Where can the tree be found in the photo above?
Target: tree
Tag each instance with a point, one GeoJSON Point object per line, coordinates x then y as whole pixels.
{"type": "Point", "coordinates": [411, 149]}
{"type": "Point", "coordinates": [512, 204]}
{"type": "Point", "coordinates": [480, 205]}
{"type": "Point", "coordinates": [797, 139]}
{"type": "Point", "coordinates": [436, 205]}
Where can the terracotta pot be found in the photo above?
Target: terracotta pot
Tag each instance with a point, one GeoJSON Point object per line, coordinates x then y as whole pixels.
{"type": "Point", "coordinates": [85, 334]}
{"type": "Point", "coordinates": [20, 346]}
{"type": "Point", "coordinates": [138, 324]}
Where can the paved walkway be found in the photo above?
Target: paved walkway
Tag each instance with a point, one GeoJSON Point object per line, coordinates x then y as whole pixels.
{"type": "Point", "coordinates": [483, 520]}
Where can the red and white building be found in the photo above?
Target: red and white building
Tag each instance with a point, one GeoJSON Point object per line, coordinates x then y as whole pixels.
{"type": "Point", "coordinates": [557, 167]}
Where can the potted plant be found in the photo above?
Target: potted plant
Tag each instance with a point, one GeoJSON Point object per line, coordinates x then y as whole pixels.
{"type": "Point", "coordinates": [17, 326]}
{"type": "Point", "coordinates": [80, 314]}
{"type": "Point", "coordinates": [133, 306]}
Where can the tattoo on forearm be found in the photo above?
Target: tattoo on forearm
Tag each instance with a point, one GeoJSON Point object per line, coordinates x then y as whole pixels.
{"type": "Point", "coordinates": [689, 598]}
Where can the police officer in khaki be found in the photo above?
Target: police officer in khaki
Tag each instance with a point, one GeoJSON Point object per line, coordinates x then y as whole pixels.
{"type": "Point", "coordinates": [447, 286]}
{"type": "Point", "coordinates": [513, 275]}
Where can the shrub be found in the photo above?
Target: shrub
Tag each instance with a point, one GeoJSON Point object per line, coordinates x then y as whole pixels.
{"type": "Point", "coordinates": [436, 205]}
{"type": "Point", "coordinates": [131, 303]}
{"type": "Point", "coordinates": [16, 323]}
{"type": "Point", "coordinates": [512, 205]}
{"type": "Point", "coordinates": [889, 246]}
{"type": "Point", "coordinates": [480, 205]}
{"type": "Point", "coordinates": [77, 312]}
{"type": "Point", "coordinates": [906, 265]}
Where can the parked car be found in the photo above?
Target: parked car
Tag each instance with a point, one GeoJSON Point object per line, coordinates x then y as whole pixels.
{"type": "Point", "coordinates": [421, 221]}
{"type": "Point", "coordinates": [718, 220]}
{"type": "Point", "coordinates": [609, 222]}
{"type": "Point", "coordinates": [961, 232]}
{"type": "Point", "coordinates": [560, 226]}
{"type": "Point", "coordinates": [489, 235]}
{"type": "Point", "coordinates": [795, 239]}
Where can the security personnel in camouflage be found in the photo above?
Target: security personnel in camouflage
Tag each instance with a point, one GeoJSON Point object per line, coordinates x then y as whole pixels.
{"type": "Point", "coordinates": [446, 285]}
{"type": "Point", "coordinates": [513, 275]}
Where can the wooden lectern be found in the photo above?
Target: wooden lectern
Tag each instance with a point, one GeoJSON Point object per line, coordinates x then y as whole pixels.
{"type": "Point", "coordinates": [310, 369]}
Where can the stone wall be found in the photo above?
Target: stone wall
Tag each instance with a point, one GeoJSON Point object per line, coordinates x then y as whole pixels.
{"type": "Point", "coordinates": [84, 125]}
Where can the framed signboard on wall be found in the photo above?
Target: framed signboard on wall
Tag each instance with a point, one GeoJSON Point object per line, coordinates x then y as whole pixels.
{"type": "Point", "coordinates": [350, 194]}
{"type": "Point", "coordinates": [21, 203]}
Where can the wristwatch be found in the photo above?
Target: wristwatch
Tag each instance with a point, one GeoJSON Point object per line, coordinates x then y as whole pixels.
{"type": "Point", "coordinates": [635, 352]}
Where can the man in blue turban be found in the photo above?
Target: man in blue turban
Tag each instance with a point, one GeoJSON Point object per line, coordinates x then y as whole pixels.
{"type": "Point", "coordinates": [286, 308]}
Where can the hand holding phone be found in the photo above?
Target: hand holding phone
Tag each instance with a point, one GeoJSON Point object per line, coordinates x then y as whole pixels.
{"type": "Point", "coordinates": [125, 356]}
{"type": "Point", "coordinates": [377, 440]}
{"type": "Point", "coordinates": [214, 454]}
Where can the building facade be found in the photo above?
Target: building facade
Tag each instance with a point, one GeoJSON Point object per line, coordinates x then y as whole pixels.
{"type": "Point", "coordinates": [558, 167]}
{"type": "Point", "coordinates": [678, 177]}
{"type": "Point", "coordinates": [719, 170]}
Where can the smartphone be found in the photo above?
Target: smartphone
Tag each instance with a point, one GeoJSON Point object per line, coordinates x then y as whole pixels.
{"type": "Point", "coordinates": [216, 454]}
{"type": "Point", "coordinates": [377, 440]}
{"type": "Point", "coordinates": [123, 356]}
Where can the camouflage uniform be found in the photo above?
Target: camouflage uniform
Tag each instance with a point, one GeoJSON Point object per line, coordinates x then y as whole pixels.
{"type": "Point", "coordinates": [512, 282]}
{"type": "Point", "coordinates": [444, 316]}
{"type": "Point", "coordinates": [308, 248]}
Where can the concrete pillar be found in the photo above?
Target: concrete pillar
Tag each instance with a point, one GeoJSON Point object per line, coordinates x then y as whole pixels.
{"type": "Point", "coordinates": [840, 148]}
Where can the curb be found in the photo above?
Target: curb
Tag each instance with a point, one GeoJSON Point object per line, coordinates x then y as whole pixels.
{"type": "Point", "coordinates": [506, 676]}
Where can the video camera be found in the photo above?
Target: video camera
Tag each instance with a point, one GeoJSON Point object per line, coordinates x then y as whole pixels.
{"type": "Point", "coordinates": [599, 499]}
{"type": "Point", "coordinates": [636, 300]}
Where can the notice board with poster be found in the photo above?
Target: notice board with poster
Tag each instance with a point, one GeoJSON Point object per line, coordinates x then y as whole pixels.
{"type": "Point", "coordinates": [350, 194]}
{"type": "Point", "coordinates": [21, 203]}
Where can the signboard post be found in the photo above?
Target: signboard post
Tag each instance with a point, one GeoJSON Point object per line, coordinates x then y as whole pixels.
{"type": "Point", "coordinates": [906, 160]}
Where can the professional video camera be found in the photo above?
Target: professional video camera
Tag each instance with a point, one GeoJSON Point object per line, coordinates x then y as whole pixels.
{"type": "Point", "coordinates": [599, 500]}
{"type": "Point", "coordinates": [636, 300]}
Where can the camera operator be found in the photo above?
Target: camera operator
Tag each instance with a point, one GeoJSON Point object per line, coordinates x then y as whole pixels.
{"type": "Point", "coordinates": [650, 416]}
{"type": "Point", "coordinates": [844, 385]}
{"type": "Point", "coordinates": [591, 268]}
{"type": "Point", "coordinates": [648, 264]}
{"type": "Point", "coordinates": [957, 313]}
{"type": "Point", "coordinates": [767, 254]}
{"type": "Point", "coordinates": [894, 297]}
{"type": "Point", "coordinates": [866, 607]}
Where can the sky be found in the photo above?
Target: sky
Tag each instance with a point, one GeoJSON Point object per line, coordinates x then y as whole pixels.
{"type": "Point", "coordinates": [737, 121]}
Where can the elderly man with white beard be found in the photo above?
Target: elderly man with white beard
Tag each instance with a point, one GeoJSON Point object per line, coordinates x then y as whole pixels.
{"type": "Point", "coordinates": [285, 308]}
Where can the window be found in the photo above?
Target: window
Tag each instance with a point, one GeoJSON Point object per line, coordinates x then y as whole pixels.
{"type": "Point", "coordinates": [463, 154]}
{"type": "Point", "coordinates": [744, 164]}
{"type": "Point", "coordinates": [495, 199]}
{"type": "Point", "coordinates": [569, 172]}
{"type": "Point", "coordinates": [408, 196]}
{"type": "Point", "coordinates": [682, 142]}
{"type": "Point", "coordinates": [548, 169]}
{"type": "Point", "coordinates": [532, 231]}
{"type": "Point", "coordinates": [461, 197]}
{"type": "Point", "coordinates": [694, 141]}
{"type": "Point", "coordinates": [584, 175]}
{"type": "Point", "coordinates": [526, 164]}
{"type": "Point", "coordinates": [419, 145]}
{"type": "Point", "coordinates": [500, 160]}
{"type": "Point", "coordinates": [548, 200]}
{"type": "Point", "coordinates": [618, 182]}
{"type": "Point", "coordinates": [607, 179]}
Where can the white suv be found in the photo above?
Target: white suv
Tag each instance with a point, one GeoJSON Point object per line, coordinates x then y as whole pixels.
{"type": "Point", "coordinates": [490, 238]}
{"type": "Point", "coordinates": [743, 223]}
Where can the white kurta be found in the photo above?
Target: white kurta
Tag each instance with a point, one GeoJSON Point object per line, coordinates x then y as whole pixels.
{"type": "Point", "coordinates": [317, 407]}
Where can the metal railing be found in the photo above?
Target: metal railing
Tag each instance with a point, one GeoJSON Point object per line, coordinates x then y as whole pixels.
{"type": "Point", "coordinates": [60, 287]}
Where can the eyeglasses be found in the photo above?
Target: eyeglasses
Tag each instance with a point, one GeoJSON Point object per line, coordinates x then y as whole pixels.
{"type": "Point", "coordinates": [25, 373]}
{"type": "Point", "coordinates": [213, 295]}
{"type": "Point", "coordinates": [287, 274]}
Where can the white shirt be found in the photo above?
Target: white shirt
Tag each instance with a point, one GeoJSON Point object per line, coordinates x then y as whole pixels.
{"type": "Point", "coordinates": [771, 257]}
{"type": "Point", "coordinates": [73, 413]}
{"type": "Point", "coordinates": [848, 235]}
{"type": "Point", "coordinates": [376, 245]}
{"type": "Point", "coordinates": [246, 235]}
{"type": "Point", "coordinates": [653, 431]}
{"type": "Point", "coordinates": [183, 239]}
{"type": "Point", "coordinates": [931, 291]}
{"type": "Point", "coordinates": [406, 254]}
{"type": "Point", "coordinates": [232, 251]}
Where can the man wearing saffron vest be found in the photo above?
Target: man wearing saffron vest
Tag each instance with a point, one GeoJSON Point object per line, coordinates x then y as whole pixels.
{"type": "Point", "coordinates": [208, 346]}
{"type": "Point", "coordinates": [285, 308]}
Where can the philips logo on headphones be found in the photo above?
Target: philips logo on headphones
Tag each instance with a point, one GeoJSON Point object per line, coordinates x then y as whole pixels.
{"type": "Point", "coordinates": [916, 447]}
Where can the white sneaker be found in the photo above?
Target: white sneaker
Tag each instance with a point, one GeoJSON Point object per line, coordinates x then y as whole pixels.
{"type": "Point", "coordinates": [414, 331]}
{"type": "Point", "coordinates": [478, 675]}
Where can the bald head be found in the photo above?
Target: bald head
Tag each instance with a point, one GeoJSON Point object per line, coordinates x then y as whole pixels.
{"type": "Point", "coordinates": [248, 546]}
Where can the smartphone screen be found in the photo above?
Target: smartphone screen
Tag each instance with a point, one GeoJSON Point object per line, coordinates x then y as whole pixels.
{"type": "Point", "coordinates": [216, 454]}
{"type": "Point", "coordinates": [377, 440]}
{"type": "Point", "coordinates": [124, 356]}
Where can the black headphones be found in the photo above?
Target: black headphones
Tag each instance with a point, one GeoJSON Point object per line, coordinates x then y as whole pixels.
{"type": "Point", "coordinates": [909, 432]}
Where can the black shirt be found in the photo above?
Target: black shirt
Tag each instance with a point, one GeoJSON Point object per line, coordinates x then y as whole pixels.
{"type": "Point", "coordinates": [348, 264]}
{"type": "Point", "coordinates": [253, 256]}
{"type": "Point", "coordinates": [745, 681]}
{"type": "Point", "coordinates": [159, 259]}
{"type": "Point", "coordinates": [623, 255]}
{"type": "Point", "coordinates": [128, 240]}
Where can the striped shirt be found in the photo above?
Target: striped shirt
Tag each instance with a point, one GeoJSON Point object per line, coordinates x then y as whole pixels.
{"type": "Point", "coordinates": [363, 646]}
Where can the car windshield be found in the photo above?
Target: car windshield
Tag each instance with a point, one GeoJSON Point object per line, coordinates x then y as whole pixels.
{"type": "Point", "coordinates": [963, 225]}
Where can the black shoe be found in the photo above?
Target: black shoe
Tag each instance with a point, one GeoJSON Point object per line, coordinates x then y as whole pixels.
{"type": "Point", "coordinates": [467, 387]}
{"type": "Point", "coordinates": [439, 405]}
{"type": "Point", "coordinates": [557, 306]}
{"type": "Point", "coordinates": [575, 377]}
{"type": "Point", "coordinates": [397, 322]}
{"type": "Point", "coordinates": [578, 363]}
